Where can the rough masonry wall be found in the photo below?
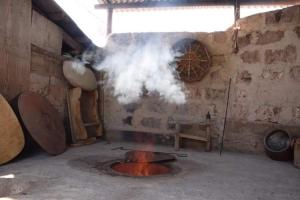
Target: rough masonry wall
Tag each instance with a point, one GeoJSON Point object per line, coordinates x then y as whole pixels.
{"type": "Point", "coordinates": [265, 90]}
{"type": "Point", "coordinates": [266, 93]}
{"type": "Point", "coordinates": [46, 77]}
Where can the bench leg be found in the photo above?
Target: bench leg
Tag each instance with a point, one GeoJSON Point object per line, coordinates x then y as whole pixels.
{"type": "Point", "coordinates": [208, 144]}
{"type": "Point", "coordinates": [177, 142]}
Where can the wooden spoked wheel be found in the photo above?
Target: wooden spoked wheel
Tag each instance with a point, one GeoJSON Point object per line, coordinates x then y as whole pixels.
{"type": "Point", "coordinates": [192, 60]}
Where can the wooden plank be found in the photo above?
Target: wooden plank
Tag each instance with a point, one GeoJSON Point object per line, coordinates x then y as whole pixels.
{"type": "Point", "coordinates": [89, 112]}
{"type": "Point", "coordinates": [155, 4]}
{"type": "Point", "coordinates": [18, 35]}
{"type": "Point", "coordinates": [18, 75]}
{"type": "Point", "coordinates": [46, 63]}
{"type": "Point", "coordinates": [45, 34]}
{"type": "Point", "coordinates": [71, 42]}
{"type": "Point", "coordinates": [15, 50]}
{"type": "Point", "coordinates": [12, 140]}
{"type": "Point", "coordinates": [4, 5]}
{"type": "Point", "coordinates": [45, 52]}
{"type": "Point", "coordinates": [88, 141]}
{"type": "Point", "coordinates": [77, 128]}
{"type": "Point", "coordinates": [92, 124]}
{"type": "Point", "coordinates": [194, 137]}
{"type": "Point", "coordinates": [3, 71]}
{"type": "Point", "coordinates": [58, 16]}
{"type": "Point", "coordinates": [109, 21]}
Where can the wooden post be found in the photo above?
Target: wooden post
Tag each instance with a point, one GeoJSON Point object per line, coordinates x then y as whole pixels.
{"type": "Point", "coordinates": [236, 10]}
{"type": "Point", "coordinates": [109, 21]}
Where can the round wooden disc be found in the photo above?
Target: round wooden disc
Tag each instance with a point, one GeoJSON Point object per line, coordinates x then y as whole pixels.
{"type": "Point", "coordinates": [79, 76]}
{"type": "Point", "coordinates": [11, 135]}
{"type": "Point", "coordinates": [42, 122]}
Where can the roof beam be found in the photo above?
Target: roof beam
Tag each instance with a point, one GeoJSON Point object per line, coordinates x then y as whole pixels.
{"type": "Point", "coordinates": [58, 16]}
{"type": "Point", "coordinates": [71, 42]}
{"type": "Point", "coordinates": [152, 4]}
{"type": "Point", "coordinates": [177, 3]}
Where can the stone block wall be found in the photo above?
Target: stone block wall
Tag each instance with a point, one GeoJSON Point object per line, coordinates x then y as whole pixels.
{"type": "Point", "coordinates": [265, 90]}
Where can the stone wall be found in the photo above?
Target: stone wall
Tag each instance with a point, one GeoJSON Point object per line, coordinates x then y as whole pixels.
{"type": "Point", "coordinates": [265, 90]}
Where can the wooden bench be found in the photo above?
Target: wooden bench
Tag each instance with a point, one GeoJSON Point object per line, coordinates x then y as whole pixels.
{"type": "Point", "coordinates": [203, 127]}
{"type": "Point", "coordinates": [297, 153]}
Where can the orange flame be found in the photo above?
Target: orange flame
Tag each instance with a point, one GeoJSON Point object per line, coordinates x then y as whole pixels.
{"type": "Point", "coordinates": [140, 165]}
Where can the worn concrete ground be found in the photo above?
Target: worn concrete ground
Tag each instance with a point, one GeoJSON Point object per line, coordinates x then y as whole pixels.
{"type": "Point", "coordinates": [204, 176]}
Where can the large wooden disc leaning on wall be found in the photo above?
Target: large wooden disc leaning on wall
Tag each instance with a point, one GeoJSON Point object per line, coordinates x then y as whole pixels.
{"type": "Point", "coordinates": [11, 135]}
{"type": "Point", "coordinates": [193, 60]}
{"type": "Point", "coordinates": [79, 76]}
{"type": "Point", "coordinates": [42, 122]}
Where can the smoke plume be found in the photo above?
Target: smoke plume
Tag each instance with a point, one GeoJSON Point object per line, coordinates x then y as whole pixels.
{"type": "Point", "coordinates": [141, 66]}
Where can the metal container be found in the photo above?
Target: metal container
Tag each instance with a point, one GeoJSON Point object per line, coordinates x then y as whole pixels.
{"type": "Point", "coordinates": [278, 145]}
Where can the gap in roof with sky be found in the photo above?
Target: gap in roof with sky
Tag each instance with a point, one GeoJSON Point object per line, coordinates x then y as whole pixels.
{"type": "Point", "coordinates": [190, 19]}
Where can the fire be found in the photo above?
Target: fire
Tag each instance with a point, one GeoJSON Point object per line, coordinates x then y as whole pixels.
{"type": "Point", "coordinates": [140, 165]}
{"type": "Point", "coordinates": [141, 169]}
{"type": "Point", "coordinates": [143, 166]}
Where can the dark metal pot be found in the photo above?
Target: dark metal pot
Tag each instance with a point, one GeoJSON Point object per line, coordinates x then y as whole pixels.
{"type": "Point", "coordinates": [278, 145]}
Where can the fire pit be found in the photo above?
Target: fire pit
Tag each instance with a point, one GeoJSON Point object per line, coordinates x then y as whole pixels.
{"type": "Point", "coordinates": [140, 169]}
{"type": "Point", "coordinates": [142, 164]}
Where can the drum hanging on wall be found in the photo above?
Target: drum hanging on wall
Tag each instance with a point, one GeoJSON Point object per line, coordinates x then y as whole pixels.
{"type": "Point", "coordinates": [11, 135]}
{"type": "Point", "coordinates": [192, 60]}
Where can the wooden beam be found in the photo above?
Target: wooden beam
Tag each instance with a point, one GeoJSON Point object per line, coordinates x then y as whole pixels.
{"type": "Point", "coordinates": [237, 10]}
{"type": "Point", "coordinates": [44, 52]}
{"type": "Point", "coordinates": [58, 16]}
{"type": "Point", "coordinates": [109, 21]}
{"type": "Point", "coordinates": [82, 39]}
{"type": "Point", "coordinates": [152, 4]}
{"type": "Point", "coordinates": [271, 2]}
{"type": "Point", "coordinates": [71, 42]}
{"type": "Point", "coordinates": [155, 4]}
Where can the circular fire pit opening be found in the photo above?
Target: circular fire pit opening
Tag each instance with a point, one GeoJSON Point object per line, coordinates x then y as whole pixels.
{"type": "Point", "coordinates": [140, 169]}
{"type": "Point", "coordinates": [133, 169]}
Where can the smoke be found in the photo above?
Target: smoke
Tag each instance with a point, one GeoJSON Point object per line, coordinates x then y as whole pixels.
{"type": "Point", "coordinates": [141, 66]}
{"type": "Point", "coordinates": [78, 67]}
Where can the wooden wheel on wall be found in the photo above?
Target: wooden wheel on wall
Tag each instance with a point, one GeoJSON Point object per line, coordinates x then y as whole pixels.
{"type": "Point", "coordinates": [192, 59]}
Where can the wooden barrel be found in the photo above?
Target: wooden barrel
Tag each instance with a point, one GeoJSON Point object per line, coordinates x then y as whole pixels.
{"type": "Point", "coordinates": [41, 121]}
{"type": "Point", "coordinates": [11, 135]}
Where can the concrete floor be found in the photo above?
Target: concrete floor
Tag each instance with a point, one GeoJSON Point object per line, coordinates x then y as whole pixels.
{"type": "Point", "coordinates": [204, 176]}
